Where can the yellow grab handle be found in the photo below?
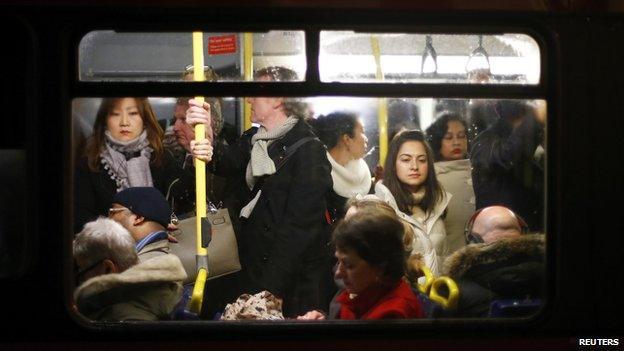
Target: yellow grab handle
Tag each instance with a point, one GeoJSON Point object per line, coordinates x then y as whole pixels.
{"type": "Point", "coordinates": [248, 71]}
{"type": "Point", "coordinates": [382, 108]}
{"type": "Point", "coordinates": [195, 305]}
{"type": "Point", "coordinates": [424, 288]}
{"type": "Point", "coordinates": [449, 302]}
{"type": "Point", "coordinates": [197, 298]}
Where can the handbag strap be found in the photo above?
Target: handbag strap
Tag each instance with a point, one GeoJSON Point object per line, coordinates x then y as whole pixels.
{"type": "Point", "coordinates": [288, 152]}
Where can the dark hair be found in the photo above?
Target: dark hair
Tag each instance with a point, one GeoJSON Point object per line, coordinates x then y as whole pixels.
{"type": "Point", "coordinates": [332, 127]}
{"type": "Point", "coordinates": [377, 237]}
{"type": "Point", "coordinates": [513, 109]}
{"type": "Point", "coordinates": [155, 133]}
{"type": "Point", "coordinates": [437, 130]}
{"type": "Point", "coordinates": [404, 199]}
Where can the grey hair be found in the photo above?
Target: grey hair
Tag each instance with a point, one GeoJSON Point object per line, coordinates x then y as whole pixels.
{"type": "Point", "coordinates": [104, 238]}
{"type": "Point", "coordinates": [292, 106]}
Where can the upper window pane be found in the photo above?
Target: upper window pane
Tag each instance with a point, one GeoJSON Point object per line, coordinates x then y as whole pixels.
{"type": "Point", "coordinates": [113, 56]}
{"type": "Point", "coordinates": [347, 56]}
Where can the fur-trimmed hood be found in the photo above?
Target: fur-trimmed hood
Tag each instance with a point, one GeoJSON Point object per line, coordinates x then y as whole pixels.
{"type": "Point", "coordinates": [461, 262]}
{"type": "Point", "coordinates": [146, 291]}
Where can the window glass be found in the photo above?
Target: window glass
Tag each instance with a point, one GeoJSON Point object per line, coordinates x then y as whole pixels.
{"type": "Point", "coordinates": [115, 56]}
{"type": "Point", "coordinates": [347, 56]}
{"type": "Point", "coordinates": [466, 165]}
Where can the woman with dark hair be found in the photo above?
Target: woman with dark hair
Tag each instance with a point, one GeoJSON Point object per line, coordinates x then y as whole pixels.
{"type": "Point", "coordinates": [371, 264]}
{"type": "Point", "coordinates": [343, 135]}
{"type": "Point", "coordinates": [125, 150]}
{"type": "Point", "coordinates": [449, 141]}
{"type": "Point", "coordinates": [410, 186]}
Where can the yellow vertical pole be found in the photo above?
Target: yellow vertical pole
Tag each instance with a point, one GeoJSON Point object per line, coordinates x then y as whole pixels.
{"type": "Point", "coordinates": [382, 106]}
{"type": "Point", "coordinates": [200, 183]}
{"type": "Point", "coordinates": [248, 70]}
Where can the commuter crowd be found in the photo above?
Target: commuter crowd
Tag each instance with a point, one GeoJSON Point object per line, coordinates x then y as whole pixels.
{"type": "Point", "coordinates": [319, 236]}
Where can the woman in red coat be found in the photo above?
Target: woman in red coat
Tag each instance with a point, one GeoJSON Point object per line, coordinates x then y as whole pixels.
{"type": "Point", "coordinates": [371, 263]}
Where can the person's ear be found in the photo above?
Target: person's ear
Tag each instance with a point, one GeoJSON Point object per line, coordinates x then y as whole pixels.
{"type": "Point", "coordinates": [278, 103]}
{"type": "Point", "coordinates": [110, 266]}
{"type": "Point", "coordinates": [138, 220]}
{"type": "Point", "coordinates": [346, 139]}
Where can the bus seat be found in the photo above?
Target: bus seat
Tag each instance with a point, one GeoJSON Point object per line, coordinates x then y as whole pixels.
{"type": "Point", "coordinates": [181, 312]}
{"type": "Point", "coordinates": [514, 307]}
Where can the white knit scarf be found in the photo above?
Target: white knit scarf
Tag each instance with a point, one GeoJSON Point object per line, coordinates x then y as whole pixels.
{"type": "Point", "coordinates": [352, 179]}
{"type": "Point", "coordinates": [126, 170]}
{"type": "Point", "coordinates": [261, 163]}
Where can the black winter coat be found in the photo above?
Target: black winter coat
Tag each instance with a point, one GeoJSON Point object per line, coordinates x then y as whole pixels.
{"type": "Point", "coordinates": [504, 171]}
{"type": "Point", "coordinates": [283, 243]}
{"type": "Point", "coordinates": [510, 268]}
{"type": "Point", "coordinates": [94, 191]}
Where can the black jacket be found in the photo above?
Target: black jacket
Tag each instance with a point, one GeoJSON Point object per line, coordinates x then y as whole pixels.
{"type": "Point", "coordinates": [283, 244]}
{"type": "Point", "coordinates": [510, 268]}
{"type": "Point", "coordinates": [504, 171]}
{"type": "Point", "coordinates": [94, 191]}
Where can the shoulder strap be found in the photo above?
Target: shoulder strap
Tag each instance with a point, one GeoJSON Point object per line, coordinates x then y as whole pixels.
{"type": "Point", "coordinates": [292, 149]}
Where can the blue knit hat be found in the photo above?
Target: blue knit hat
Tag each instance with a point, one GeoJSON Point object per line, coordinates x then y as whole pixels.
{"type": "Point", "coordinates": [147, 202]}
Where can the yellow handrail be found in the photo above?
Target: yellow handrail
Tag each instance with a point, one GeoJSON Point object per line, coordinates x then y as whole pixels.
{"type": "Point", "coordinates": [429, 278]}
{"type": "Point", "coordinates": [248, 70]}
{"type": "Point", "coordinates": [382, 107]}
{"type": "Point", "coordinates": [449, 302]}
{"type": "Point", "coordinates": [200, 184]}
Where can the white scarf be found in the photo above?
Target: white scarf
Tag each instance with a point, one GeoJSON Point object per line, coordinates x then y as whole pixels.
{"type": "Point", "coordinates": [126, 169]}
{"type": "Point", "coordinates": [352, 179]}
{"type": "Point", "coordinates": [260, 163]}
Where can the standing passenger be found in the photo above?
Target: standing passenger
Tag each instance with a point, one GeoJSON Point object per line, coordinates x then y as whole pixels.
{"type": "Point", "coordinates": [284, 178]}
{"type": "Point", "coordinates": [124, 151]}
{"type": "Point", "coordinates": [343, 134]}
{"type": "Point", "coordinates": [505, 170]}
{"type": "Point", "coordinates": [449, 141]}
{"type": "Point", "coordinates": [411, 188]}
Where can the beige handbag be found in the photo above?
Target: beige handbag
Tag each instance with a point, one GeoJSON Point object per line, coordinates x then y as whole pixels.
{"type": "Point", "coordinates": [222, 250]}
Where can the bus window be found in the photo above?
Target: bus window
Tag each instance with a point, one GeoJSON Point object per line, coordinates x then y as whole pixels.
{"type": "Point", "coordinates": [114, 56]}
{"type": "Point", "coordinates": [429, 58]}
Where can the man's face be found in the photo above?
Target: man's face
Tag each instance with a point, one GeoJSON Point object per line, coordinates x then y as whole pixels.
{"type": "Point", "coordinates": [183, 132]}
{"type": "Point", "coordinates": [123, 216]}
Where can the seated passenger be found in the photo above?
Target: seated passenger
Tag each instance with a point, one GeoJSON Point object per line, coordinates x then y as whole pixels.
{"type": "Point", "coordinates": [411, 188]}
{"type": "Point", "coordinates": [114, 286]}
{"type": "Point", "coordinates": [448, 139]}
{"type": "Point", "coordinates": [505, 170]}
{"type": "Point", "coordinates": [144, 212]}
{"type": "Point", "coordinates": [124, 151]}
{"type": "Point", "coordinates": [371, 263]}
{"type": "Point", "coordinates": [504, 265]}
{"type": "Point", "coordinates": [343, 134]}
{"type": "Point", "coordinates": [283, 177]}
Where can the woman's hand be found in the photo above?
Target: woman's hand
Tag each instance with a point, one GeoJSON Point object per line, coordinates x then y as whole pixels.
{"type": "Point", "coordinates": [199, 113]}
{"type": "Point", "coordinates": [201, 150]}
{"type": "Point", "coordinates": [312, 315]}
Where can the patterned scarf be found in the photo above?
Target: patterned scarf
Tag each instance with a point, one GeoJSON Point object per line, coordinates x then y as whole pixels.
{"type": "Point", "coordinates": [127, 162]}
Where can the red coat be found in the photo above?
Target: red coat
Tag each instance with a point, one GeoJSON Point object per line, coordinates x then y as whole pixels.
{"type": "Point", "coordinates": [398, 302]}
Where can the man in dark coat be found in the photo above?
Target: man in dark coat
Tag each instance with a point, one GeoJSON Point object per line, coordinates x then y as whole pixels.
{"type": "Point", "coordinates": [283, 178]}
{"type": "Point", "coordinates": [505, 169]}
{"type": "Point", "coordinates": [505, 265]}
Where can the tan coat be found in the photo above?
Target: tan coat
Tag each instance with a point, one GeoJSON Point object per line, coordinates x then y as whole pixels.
{"type": "Point", "coordinates": [456, 178]}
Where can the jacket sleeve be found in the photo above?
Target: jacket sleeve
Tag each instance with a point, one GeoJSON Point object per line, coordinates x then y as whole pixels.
{"type": "Point", "coordinates": [303, 219]}
{"type": "Point", "coordinates": [505, 153]}
{"type": "Point", "coordinates": [84, 198]}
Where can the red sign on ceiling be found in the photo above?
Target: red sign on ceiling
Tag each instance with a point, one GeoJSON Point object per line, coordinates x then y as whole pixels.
{"type": "Point", "coordinates": [222, 44]}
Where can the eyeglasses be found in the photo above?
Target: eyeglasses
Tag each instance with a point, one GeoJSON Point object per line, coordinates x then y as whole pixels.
{"type": "Point", "coordinates": [113, 210]}
{"type": "Point", "coordinates": [79, 273]}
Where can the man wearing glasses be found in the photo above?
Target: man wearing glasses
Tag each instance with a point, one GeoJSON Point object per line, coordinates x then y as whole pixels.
{"type": "Point", "coordinates": [145, 213]}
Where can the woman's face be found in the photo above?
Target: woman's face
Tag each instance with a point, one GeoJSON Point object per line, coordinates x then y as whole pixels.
{"type": "Point", "coordinates": [357, 274]}
{"type": "Point", "coordinates": [124, 121]}
{"type": "Point", "coordinates": [358, 144]}
{"type": "Point", "coordinates": [411, 164]}
{"type": "Point", "coordinates": [454, 144]}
